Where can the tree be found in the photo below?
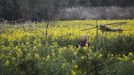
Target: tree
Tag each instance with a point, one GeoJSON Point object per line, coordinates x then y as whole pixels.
{"type": "Point", "coordinates": [10, 9]}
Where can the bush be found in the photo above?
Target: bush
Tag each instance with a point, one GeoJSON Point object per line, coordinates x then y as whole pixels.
{"type": "Point", "coordinates": [119, 68]}
{"type": "Point", "coordinates": [90, 63]}
{"type": "Point", "coordinates": [120, 45]}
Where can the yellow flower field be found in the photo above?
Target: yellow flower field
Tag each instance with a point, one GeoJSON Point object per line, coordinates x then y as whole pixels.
{"type": "Point", "coordinates": [27, 49]}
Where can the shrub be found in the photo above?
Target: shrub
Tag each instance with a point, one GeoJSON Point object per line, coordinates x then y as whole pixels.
{"type": "Point", "coordinates": [91, 63]}
{"type": "Point", "coordinates": [120, 45]}
{"type": "Point", "coordinates": [119, 68]}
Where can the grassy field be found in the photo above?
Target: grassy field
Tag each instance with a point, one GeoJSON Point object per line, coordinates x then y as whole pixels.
{"type": "Point", "coordinates": [25, 50]}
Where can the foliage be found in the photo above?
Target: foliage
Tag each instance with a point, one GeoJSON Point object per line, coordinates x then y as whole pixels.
{"type": "Point", "coordinates": [25, 51]}
{"type": "Point", "coordinates": [118, 45]}
{"type": "Point", "coordinates": [125, 66]}
{"type": "Point", "coordinates": [37, 10]}
{"type": "Point", "coordinates": [34, 10]}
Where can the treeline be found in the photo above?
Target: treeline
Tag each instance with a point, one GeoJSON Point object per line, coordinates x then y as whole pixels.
{"type": "Point", "coordinates": [48, 9]}
{"type": "Point", "coordinates": [88, 13]}
{"type": "Point", "coordinates": [94, 3]}
{"type": "Point", "coordinates": [28, 9]}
